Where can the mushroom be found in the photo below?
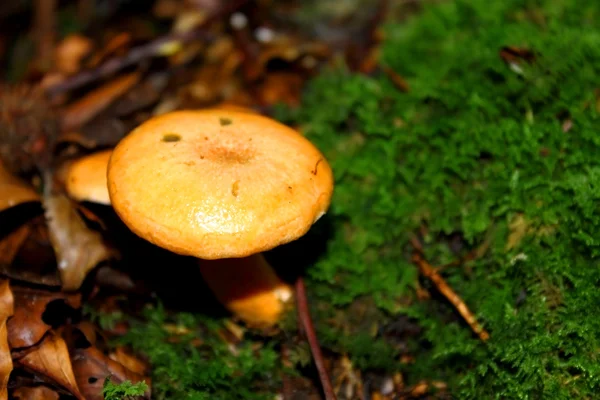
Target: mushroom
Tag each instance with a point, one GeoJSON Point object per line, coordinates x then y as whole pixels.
{"type": "Point", "coordinates": [86, 178]}
{"type": "Point", "coordinates": [222, 186]}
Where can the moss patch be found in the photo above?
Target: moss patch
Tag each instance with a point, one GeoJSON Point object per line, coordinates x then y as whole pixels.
{"type": "Point", "coordinates": [498, 155]}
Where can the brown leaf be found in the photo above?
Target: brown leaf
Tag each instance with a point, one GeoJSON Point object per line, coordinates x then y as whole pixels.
{"type": "Point", "coordinates": [14, 191]}
{"type": "Point", "coordinates": [11, 243]}
{"type": "Point", "coordinates": [281, 87]}
{"type": "Point", "coordinates": [69, 53]}
{"type": "Point", "coordinates": [78, 249]}
{"type": "Point", "coordinates": [77, 114]}
{"type": "Point", "coordinates": [35, 261]}
{"type": "Point", "coordinates": [35, 393]}
{"type": "Point", "coordinates": [6, 310]}
{"type": "Point", "coordinates": [51, 360]}
{"type": "Point", "coordinates": [129, 361]}
{"type": "Point", "coordinates": [92, 367]}
{"type": "Point", "coordinates": [26, 327]}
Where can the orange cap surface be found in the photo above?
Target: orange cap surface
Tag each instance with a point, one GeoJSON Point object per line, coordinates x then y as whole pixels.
{"type": "Point", "coordinates": [218, 183]}
{"type": "Point", "coordinates": [86, 178]}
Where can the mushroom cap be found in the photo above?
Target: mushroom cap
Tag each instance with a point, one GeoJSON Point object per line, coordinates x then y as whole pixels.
{"type": "Point", "coordinates": [86, 178]}
{"type": "Point", "coordinates": [218, 183]}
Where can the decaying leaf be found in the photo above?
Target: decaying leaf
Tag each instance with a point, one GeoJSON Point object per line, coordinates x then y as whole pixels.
{"type": "Point", "coordinates": [27, 327]}
{"type": "Point", "coordinates": [51, 360]}
{"type": "Point", "coordinates": [130, 362]}
{"type": "Point", "coordinates": [11, 243]}
{"type": "Point", "coordinates": [78, 249]}
{"type": "Point", "coordinates": [70, 52]}
{"type": "Point", "coordinates": [92, 367]}
{"type": "Point", "coordinates": [82, 111]}
{"type": "Point", "coordinates": [6, 310]}
{"type": "Point", "coordinates": [34, 261]}
{"type": "Point", "coordinates": [40, 392]}
{"type": "Point", "coordinates": [14, 191]}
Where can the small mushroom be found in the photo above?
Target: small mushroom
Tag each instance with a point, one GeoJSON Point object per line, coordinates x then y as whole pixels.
{"type": "Point", "coordinates": [222, 186]}
{"type": "Point", "coordinates": [86, 178]}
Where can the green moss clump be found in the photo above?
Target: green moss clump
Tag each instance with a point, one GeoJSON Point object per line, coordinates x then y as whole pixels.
{"type": "Point", "coordinates": [190, 360]}
{"type": "Point", "coordinates": [482, 153]}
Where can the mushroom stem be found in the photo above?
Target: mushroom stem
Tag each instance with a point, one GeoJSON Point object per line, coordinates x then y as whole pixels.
{"type": "Point", "coordinates": [248, 287]}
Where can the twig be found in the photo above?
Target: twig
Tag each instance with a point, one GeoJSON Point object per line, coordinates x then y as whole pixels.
{"type": "Point", "coordinates": [44, 31]}
{"type": "Point", "coordinates": [306, 322]}
{"type": "Point", "coordinates": [138, 54]}
{"type": "Point", "coordinates": [429, 272]}
{"type": "Point", "coordinates": [286, 386]}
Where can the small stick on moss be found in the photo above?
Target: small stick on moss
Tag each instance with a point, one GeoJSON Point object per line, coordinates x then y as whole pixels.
{"type": "Point", "coordinates": [309, 330]}
{"type": "Point", "coordinates": [429, 272]}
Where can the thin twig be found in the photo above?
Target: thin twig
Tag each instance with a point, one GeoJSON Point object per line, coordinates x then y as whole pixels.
{"type": "Point", "coordinates": [286, 385]}
{"type": "Point", "coordinates": [44, 31]}
{"type": "Point", "coordinates": [431, 273]}
{"type": "Point", "coordinates": [306, 322]}
{"type": "Point", "coordinates": [138, 54]}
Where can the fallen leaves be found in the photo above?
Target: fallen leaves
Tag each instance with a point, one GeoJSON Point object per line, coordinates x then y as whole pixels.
{"type": "Point", "coordinates": [82, 111]}
{"type": "Point", "coordinates": [51, 360]}
{"type": "Point", "coordinates": [35, 393]}
{"type": "Point", "coordinates": [27, 326]}
{"type": "Point", "coordinates": [14, 191]}
{"type": "Point", "coordinates": [78, 249]}
{"type": "Point", "coordinates": [93, 367]}
{"type": "Point", "coordinates": [6, 310]}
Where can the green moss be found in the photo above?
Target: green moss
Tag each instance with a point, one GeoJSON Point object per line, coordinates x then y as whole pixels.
{"type": "Point", "coordinates": [124, 390]}
{"type": "Point", "coordinates": [192, 361]}
{"type": "Point", "coordinates": [481, 155]}
{"type": "Point", "coordinates": [476, 145]}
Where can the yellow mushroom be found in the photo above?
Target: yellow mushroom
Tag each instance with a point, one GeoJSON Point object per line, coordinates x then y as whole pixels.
{"type": "Point", "coordinates": [222, 186]}
{"type": "Point", "coordinates": [86, 178]}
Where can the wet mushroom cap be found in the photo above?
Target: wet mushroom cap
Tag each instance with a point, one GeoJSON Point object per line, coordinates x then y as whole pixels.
{"type": "Point", "coordinates": [218, 183]}
{"type": "Point", "coordinates": [86, 178]}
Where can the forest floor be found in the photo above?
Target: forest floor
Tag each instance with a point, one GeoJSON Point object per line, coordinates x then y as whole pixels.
{"type": "Point", "coordinates": [458, 259]}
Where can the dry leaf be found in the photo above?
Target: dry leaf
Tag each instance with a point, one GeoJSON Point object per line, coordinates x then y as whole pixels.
{"type": "Point", "coordinates": [26, 327]}
{"type": "Point", "coordinates": [6, 310]}
{"type": "Point", "coordinates": [14, 191]}
{"type": "Point", "coordinates": [69, 53]}
{"type": "Point", "coordinates": [129, 361]}
{"type": "Point", "coordinates": [11, 243]}
{"type": "Point", "coordinates": [82, 111]}
{"type": "Point", "coordinates": [51, 360]}
{"type": "Point", "coordinates": [281, 87]}
{"type": "Point", "coordinates": [518, 229]}
{"type": "Point", "coordinates": [35, 261]}
{"type": "Point", "coordinates": [92, 367]}
{"type": "Point", "coordinates": [78, 249]}
{"type": "Point", "coordinates": [35, 393]}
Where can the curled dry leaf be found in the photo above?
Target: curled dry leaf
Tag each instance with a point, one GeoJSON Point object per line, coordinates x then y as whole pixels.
{"type": "Point", "coordinates": [69, 53]}
{"type": "Point", "coordinates": [35, 393]}
{"type": "Point", "coordinates": [11, 243]}
{"type": "Point", "coordinates": [14, 191]}
{"type": "Point", "coordinates": [129, 361]}
{"type": "Point", "coordinates": [51, 360]}
{"type": "Point", "coordinates": [78, 249]}
{"type": "Point", "coordinates": [27, 327]}
{"type": "Point", "coordinates": [6, 310]}
{"type": "Point", "coordinates": [92, 367]}
{"type": "Point", "coordinates": [34, 261]}
{"type": "Point", "coordinates": [82, 111]}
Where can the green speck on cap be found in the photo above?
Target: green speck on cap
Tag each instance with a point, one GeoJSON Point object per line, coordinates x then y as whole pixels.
{"type": "Point", "coordinates": [171, 137]}
{"type": "Point", "coordinates": [225, 121]}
